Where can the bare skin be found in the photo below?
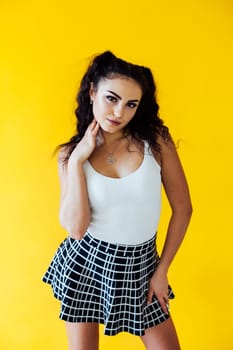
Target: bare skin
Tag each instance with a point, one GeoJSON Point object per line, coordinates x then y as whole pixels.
{"type": "Point", "coordinates": [161, 337]}
{"type": "Point", "coordinates": [82, 336]}
{"type": "Point", "coordinates": [85, 336]}
{"type": "Point", "coordinates": [75, 212]}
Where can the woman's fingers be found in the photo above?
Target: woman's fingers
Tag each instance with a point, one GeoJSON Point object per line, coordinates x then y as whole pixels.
{"type": "Point", "coordinates": [86, 146]}
{"type": "Point", "coordinates": [164, 301]}
{"type": "Point", "coordinates": [94, 131]}
{"type": "Point", "coordinates": [164, 304]}
{"type": "Point", "coordinates": [149, 296]}
{"type": "Point", "coordinates": [91, 131]}
{"type": "Point", "coordinates": [96, 128]}
{"type": "Point", "coordinates": [93, 127]}
{"type": "Point", "coordinates": [158, 286]}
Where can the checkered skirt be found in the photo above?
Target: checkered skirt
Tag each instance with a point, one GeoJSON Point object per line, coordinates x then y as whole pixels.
{"type": "Point", "coordinates": [106, 283]}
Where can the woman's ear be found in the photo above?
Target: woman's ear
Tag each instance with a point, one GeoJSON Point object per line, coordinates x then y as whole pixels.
{"type": "Point", "coordinates": [92, 90]}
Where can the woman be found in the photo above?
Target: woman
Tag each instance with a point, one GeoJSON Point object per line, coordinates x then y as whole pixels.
{"type": "Point", "coordinates": [107, 270]}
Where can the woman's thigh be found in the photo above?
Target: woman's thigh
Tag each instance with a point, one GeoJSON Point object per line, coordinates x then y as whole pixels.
{"type": "Point", "coordinates": [161, 337]}
{"type": "Point", "coordinates": [82, 336]}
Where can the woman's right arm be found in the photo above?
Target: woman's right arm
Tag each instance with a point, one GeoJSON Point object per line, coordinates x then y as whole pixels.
{"type": "Point", "coordinates": [74, 211]}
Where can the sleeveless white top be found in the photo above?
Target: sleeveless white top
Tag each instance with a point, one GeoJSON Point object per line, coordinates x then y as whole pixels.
{"type": "Point", "coordinates": [125, 210]}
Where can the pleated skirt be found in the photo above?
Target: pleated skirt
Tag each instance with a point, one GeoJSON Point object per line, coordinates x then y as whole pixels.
{"type": "Point", "coordinates": [106, 283]}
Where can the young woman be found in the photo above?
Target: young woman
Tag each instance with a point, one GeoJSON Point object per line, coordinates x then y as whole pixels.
{"type": "Point", "coordinates": [107, 270]}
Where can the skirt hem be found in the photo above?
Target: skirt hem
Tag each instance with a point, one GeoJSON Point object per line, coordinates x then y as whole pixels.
{"type": "Point", "coordinates": [106, 284]}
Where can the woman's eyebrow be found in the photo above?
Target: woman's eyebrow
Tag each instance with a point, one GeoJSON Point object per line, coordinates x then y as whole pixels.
{"type": "Point", "coordinates": [120, 97]}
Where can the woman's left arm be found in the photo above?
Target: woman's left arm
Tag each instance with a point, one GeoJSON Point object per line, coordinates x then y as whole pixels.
{"type": "Point", "coordinates": [177, 192]}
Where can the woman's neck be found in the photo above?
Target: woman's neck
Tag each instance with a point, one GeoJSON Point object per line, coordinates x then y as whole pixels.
{"type": "Point", "coordinates": [110, 139]}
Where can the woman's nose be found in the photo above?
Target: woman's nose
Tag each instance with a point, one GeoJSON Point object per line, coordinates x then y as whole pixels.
{"type": "Point", "coordinates": [118, 111]}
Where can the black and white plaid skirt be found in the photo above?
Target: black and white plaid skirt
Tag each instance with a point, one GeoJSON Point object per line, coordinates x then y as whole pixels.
{"type": "Point", "coordinates": [106, 283]}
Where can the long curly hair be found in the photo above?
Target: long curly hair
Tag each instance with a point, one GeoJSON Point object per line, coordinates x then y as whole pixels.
{"type": "Point", "coordinates": [146, 123]}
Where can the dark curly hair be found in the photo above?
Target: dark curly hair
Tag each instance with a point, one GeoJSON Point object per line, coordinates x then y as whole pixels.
{"type": "Point", "coordinates": [146, 123]}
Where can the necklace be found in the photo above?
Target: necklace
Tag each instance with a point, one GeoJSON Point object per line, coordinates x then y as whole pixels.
{"type": "Point", "coordinates": [111, 159]}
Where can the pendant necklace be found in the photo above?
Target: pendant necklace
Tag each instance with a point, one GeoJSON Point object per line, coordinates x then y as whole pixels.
{"type": "Point", "coordinates": [111, 159]}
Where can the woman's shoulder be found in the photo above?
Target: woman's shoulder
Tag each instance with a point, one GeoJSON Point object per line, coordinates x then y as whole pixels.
{"type": "Point", "coordinates": [166, 148]}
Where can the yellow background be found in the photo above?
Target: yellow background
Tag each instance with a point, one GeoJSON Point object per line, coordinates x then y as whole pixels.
{"type": "Point", "coordinates": [45, 48]}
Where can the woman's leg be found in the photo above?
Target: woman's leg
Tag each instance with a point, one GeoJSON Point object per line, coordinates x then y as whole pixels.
{"type": "Point", "coordinates": [161, 337]}
{"type": "Point", "coordinates": [82, 336]}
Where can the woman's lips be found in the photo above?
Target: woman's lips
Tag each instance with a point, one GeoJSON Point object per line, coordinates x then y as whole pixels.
{"type": "Point", "coordinates": [113, 122]}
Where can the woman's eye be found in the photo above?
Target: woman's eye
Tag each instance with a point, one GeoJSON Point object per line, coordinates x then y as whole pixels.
{"type": "Point", "coordinates": [132, 105]}
{"type": "Point", "coordinates": [111, 98]}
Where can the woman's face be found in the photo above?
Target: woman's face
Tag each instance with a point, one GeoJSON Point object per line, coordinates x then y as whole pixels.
{"type": "Point", "coordinates": [115, 102]}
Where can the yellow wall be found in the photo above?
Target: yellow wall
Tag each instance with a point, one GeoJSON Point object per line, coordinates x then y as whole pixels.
{"type": "Point", "coordinates": [45, 47]}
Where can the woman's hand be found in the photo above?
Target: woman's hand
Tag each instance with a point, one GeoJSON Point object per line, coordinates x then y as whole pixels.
{"type": "Point", "coordinates": [87, 145]}
{"type": "Point", "coordinates": [158, 286]}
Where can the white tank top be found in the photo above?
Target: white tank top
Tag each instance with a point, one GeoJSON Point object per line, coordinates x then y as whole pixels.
{"type": "Point", "coordinates": [125, 210]}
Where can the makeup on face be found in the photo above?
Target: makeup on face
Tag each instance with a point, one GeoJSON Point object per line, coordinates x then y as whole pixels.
{"type": "Point", "coordinates": [115, 102]}
{"type": "Point", "coordinates": [130, 103]}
